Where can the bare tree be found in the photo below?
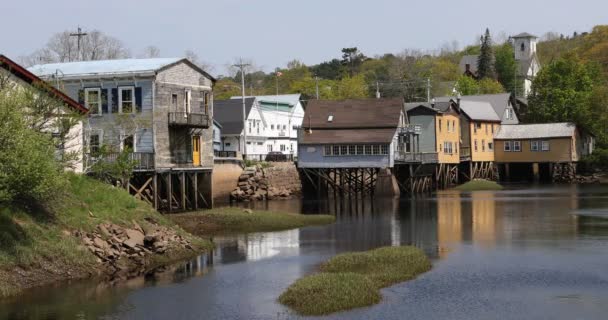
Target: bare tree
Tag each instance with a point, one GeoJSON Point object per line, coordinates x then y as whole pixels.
{"type": "Point", "coordinates": [151, 52]}
{"type": "Point", "coordinates": [193, 57]}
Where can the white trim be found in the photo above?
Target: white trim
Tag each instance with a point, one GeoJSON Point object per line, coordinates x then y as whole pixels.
{"type": "Point", "coordinates": [186, 85]}
{"type": "Point", "coordinates": [123, 136]}
{"type": "Point", "coordinates": [99, 102]}
{"type": "Point", "coordinates": [188, 100]}
{"type": "Point", "coordinates": [133, 107]}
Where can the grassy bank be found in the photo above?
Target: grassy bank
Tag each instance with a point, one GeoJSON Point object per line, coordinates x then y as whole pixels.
{"type": "Point", "coordinates": [236, 220]}
{"type": "Point", "coordinates": [37, 245]}
{"type": "Point", "coordinates": [353, 280]}
{"type": "Point", "coordinates": [479, 185]}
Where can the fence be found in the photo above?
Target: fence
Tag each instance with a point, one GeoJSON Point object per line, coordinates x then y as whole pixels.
{"type": "Point", "coordinates": [271, 157]}
{"type": "Point", "coordinates": [422, 157]}
{"type": "Point", "coordinates": [144, 160]}
{"type": "Point", "coordinates": [225, 154]}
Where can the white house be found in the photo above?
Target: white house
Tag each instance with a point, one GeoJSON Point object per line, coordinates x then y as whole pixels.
{"type": "Point", "coordinates": [270, 122]}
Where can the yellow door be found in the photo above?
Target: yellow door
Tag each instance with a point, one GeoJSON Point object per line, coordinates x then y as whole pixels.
{"type": "Point", "coordinates": [196, 150]}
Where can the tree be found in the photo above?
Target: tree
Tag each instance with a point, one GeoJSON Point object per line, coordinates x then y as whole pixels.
{"type": "Point", "coordinates": [331, 70]}
{"type": "Point", "coordinates": [225, 88]}
{"type": "Point", "coordinates": [507, 69]}
{"type": "Point", "coordinates": [563, 91]}
{"type": "Point", "coordinates": [193, 57]}
{"type": "Point", "coordinates": [352, 58]}
{"type": "Point", "coordinates": [490, 86]}
{"type": "Point", "coordinates": [151, 52]}
{"type": "Point", "coordinates": [485, 61]}
{"type": "Point", "coordinates": [466, 86]}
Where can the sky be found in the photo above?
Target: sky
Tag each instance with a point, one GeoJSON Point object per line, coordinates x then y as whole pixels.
{"type": "Point", "coordinates": [271, 33]}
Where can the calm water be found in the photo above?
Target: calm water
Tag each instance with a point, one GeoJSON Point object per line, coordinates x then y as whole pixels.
{"type": "Point", "coordinates": [536, 253]}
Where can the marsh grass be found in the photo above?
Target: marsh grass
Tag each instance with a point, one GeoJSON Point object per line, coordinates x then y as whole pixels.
{"type": "Point", "coordinates": [479, 185]}
{"type": "Point", "coordinates": [233, 220]}
{"type": "Point", "coordinates": [353, 280]}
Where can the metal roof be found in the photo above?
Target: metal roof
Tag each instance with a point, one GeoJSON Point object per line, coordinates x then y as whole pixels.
{"type": "Point", "coordinates": [499, 101]}
{"type": "Point", "coordinates": [535, 131]}
{"type": "Point", "coordinates": [524, 35]}
{"type": "Point", "coordinates": [479, 110]}
{"type": "Point", "coordinates": [345, 136]}
{"type": "Point", "coordinates": [103, 67]}
{"type": "Point", "coordinates": [291, 99]}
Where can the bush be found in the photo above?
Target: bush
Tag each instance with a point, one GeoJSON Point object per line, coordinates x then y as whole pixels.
{"type": "Point", "coordinates": [29, 171]}
{"type": "Point", "coordinates": [598, 160]}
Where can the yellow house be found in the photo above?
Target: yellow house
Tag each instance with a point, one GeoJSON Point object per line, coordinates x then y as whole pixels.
{"type": "Point", "coordinates": [480, 123]}
{"type": "Point", "coordinates": [447, 133]}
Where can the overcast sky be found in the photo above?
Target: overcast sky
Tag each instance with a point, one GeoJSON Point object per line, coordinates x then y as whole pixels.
{"type": "Point", "coordinates": [273, 32]}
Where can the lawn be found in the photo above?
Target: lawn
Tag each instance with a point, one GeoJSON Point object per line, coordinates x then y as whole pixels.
{"type": "Point", "coordinates": [233, 220]}
{"type": "Point", "coordinates": [479, 185]}
{"type": "Point", "coordinates": [354, 280]}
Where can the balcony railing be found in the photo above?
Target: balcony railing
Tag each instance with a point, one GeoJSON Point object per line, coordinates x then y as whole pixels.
{"type": "Point", "coordinates": [144, 160]}
{"type": "Point", "coordinates": [181, 157]}
{"type": "Point", "coordinates": [416, 157]}
{"type": "Point", "coordinates": [411, 128]}
{"type": "Point", "coordinates": [465, 152]}
{"type": "Point", "coordinates": [187, 119]}
{"type": "Point", "coordinates": [224, 154]}
{"type": "Point", "coordinates": [282, 133]}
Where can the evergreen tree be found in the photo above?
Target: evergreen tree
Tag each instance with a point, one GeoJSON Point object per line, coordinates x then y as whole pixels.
{"type": "Point", "coordinates": [485, 61]}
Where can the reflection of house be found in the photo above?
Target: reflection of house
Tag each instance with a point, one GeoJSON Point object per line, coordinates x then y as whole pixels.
{"type": "Point", "coordinates": [270, 123]}
{"type": "Point", "coordinates": [160, 109]}
{"type": "Point", "coordinates": [20, 77]}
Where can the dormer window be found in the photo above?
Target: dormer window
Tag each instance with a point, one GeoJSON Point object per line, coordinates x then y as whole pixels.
{"type": "Point", "coordinates": [330, 118]}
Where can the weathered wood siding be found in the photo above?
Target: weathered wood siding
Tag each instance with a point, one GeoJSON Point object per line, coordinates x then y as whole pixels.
{"type": "Point", "coordinates": [112, 126]}
{"type": "Point", "coordinates": [560, 150]}
{"type": "Point", "coordinates": [427, 133]}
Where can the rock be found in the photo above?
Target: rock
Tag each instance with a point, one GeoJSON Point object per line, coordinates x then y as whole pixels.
{"type": "Point", "coordinates": [100, 243]}
{"type": "Point", "coordinates": [247, 211]}
{"type": "Point", "coordinates": [135, 236]}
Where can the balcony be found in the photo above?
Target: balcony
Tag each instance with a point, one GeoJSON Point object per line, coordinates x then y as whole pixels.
{"type": "Point", "coordinates": [282, 134]}
{"type": "Point", "coordinates": [411, 128]}
{"type": "Point", "coordinates": [187, 119]}
{"type": "Point", "coordinates": [224, 154]}
{"type": "Point", "coordinates": [143, 160]}
{"type": "Point", "coordinates": [465, 153]}
{"type": "Point", "coordinates": [416, 157]}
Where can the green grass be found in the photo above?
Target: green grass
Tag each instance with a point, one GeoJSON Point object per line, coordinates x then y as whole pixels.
{"type": "Point", "coordinates": [353, 280]}
{"type": "Point", "coordinates": [478, 185]}
{"type": "Point", "coordinates": [236, 220]}
{"type": "Point", "coordinates": [38, 242]}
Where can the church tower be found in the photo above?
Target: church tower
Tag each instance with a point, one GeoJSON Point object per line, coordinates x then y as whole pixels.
{"type": "Point", "coordinates": [524, 45]}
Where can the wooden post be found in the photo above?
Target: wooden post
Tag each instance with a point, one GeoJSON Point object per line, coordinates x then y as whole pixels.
{"type": "Point", "coordinates": [183, 185]}
{"type": "Point", "coordinates": [195, 191]}
{"type": "Point", "coordinates": [170, 190]}
{"type": "Point", "coordinates": [155, 191]}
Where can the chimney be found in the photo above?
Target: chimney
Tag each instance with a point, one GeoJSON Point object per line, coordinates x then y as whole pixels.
{"type": "Point", "coordinates": [458, 102]}
{"type": "Point", "coordinates": [433, 103]}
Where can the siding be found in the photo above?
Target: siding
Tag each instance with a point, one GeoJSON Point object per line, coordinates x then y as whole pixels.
{"type": "Point", "coordinates": [560, 150]}
{"type": "Point", "coordinates": [311, 156]}
{"type": "Point", "coordinates": [183, 74]}
{"type": "Point", "coordinates": [444, 136]}
{"type": "Point", "coordinates": [427, 134]}
{"type": "Point", "coordinates": [113, 125]}
{"type": "Point", "coordinates": [481, 136]}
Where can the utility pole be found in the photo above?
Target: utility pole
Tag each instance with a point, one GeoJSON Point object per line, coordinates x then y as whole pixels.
{"type": "Point", "coordinates": [317, 86]}
{"type": "Point", "coordinates": [242, 66]}
{"type": "Point", "coordinates": [428, 89]}
{"type": "Point", "coordinates": [78, 35]}
{"type": "Point", "coordinates": [377, 90]}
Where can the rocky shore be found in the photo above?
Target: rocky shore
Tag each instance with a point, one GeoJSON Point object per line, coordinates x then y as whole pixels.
{"type": "Point", "coordinates": [257, 183]}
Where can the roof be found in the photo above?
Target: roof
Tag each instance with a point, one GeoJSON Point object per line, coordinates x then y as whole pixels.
{"type": "Point", "coordinates": [110, 67]}
{"type": "Point", "coordinates": [352, 121]}
{"type": "Point", "coordinates": [31, 78]}
{"type": "Point", "coordinates": [524, 35]}
{"type": "Point", "coordinates": [498, 101]}
{"type": "Point", "coordinates": [282, 102]}
{"type": "Point", "coordinates": [534, 131]}
{"type": "Point", "coordinates": [229, 113]}
{"type": "Point", "coordinates": [479, 110]}
{"type": "Point", "coordinates": [438, 106]}
{"type": "Point", "coordinates": [471, 60]}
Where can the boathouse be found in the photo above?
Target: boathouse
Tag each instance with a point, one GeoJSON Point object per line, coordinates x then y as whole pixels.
{"type": "Point", "coordinates": [343, 145]}
{"type": "Point", "coordinates": [547, 151]}
{"type": "Point", "coordinates": [160, 110]}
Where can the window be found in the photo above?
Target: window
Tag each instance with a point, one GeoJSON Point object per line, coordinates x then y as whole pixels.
{"type": "Point", "coordinates": [359, 149]}
{"type": "Point", "coordinates": [376, 149]}
{"type": "Point", "coordinates": [204, 101]}
{"type": "Point", "coordinates": [368, 149]}
{"type": "Point", "coordinates": [509, 113]}
{"type": "Point", "coordinates": [272, 127]}
{"type": "Point", "coordinates": [330, 118]}
{"type": "Point", "coordinates": [439, 147]}
{"type": "Point", "coordinates": [174, 101]}
{"type": "Point", "coordinates": [384, 149]}
{"type": "Point", "coordinates": [516, 146]}
{"type": "Point", "coordinates": [227, 144]}
{"type": "Point", "coordinates": [522, 47]}
{"type": "Point", "coordinates": [94, 143]}
{"type": "Point", "coordinates": [477, 127]}
{"type": "Point", "coordinates": [92, 100]}
{"type": "Point", "coordinates": [486, 128]}
{"type": "Point", "coordinates": [343, 150]}
{"type": "Point", "coordinates": [534, 146]}
{"type": "Point", "coordinates": [448, 125]}
{"type": "Point", "coordinates": [507, 146]}
{"type": "Point", "coordinates": [490, 146]}
{"type": "Point", "coordinates": [352, 150]}
{"type": "Point", "coordinates": [250, 125]}
{"type": "Point", "coordinates": [126, 99]}
{"type": "Point", "coordinates": [128, 143]}
{"type": "Point", "coordinates": [483, 144]}
{"type": "Point", "coordinates": [493, 128]}
{"type": "Point", "coordinates": [545, 145]}
{"type": "Point", "coordinates": [475, 144]}
{"type": "Point", "coordinates": [453, 125]}
{"type": "Point", "coordinates": [439, 125]}
{"type": "Point", "coordinates": [336, 151]}
{"type": "Point", "coordinates": [284, 127]}
{"type": "Point", "coordinates": [269, 148]}
{"type": "Point", "coordinates": [260, 143]}
{"type": "Point", "coordinates": [187, 101]}
{"type": "Point", "coordinates": [283, 147]}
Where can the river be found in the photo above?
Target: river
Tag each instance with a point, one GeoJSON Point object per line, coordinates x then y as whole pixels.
{"type": "Point", "coordinates": [523, 253]}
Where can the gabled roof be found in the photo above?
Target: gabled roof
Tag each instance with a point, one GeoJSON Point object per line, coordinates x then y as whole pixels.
{"type": "Point", "coordinates": [118, 67]}
{"type": "Point", "coordinates": [229, 113]}
{"type": "Point", "coordinates": [479, 110]}
{"type": "Point", "coordinates": [32, 79]}
{"type": "Point", "coordinates": [437, 107]}
{"type": "Point", "coordinates": [351, 121]}
{"type": "Point", "coordinates": [282, 102]}
{"type": "Point", "coordinates": [499, 101]}
{"type": "Point", "coordinates": [524, 35]}
{"type": "Point", "coordinates": [535, 131]}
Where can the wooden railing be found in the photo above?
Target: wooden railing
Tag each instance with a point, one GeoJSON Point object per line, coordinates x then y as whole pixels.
{"type": "Point", "coordinates": [274, 157]}
{"type": "Point", "coordinates": [144, 160]}
{"type": "Point", "coordinates": [465, 152]}
{"type": "Point", "coordinates": [411, 128]}
{"type": "Point", "coordinates": [416, 157]}
{"type": "Point", "coordinates": [196, 120]}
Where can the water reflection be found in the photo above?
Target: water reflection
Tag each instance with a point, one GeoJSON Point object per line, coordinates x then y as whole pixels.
{"type": "Point", "coordinates": [251, 270]}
